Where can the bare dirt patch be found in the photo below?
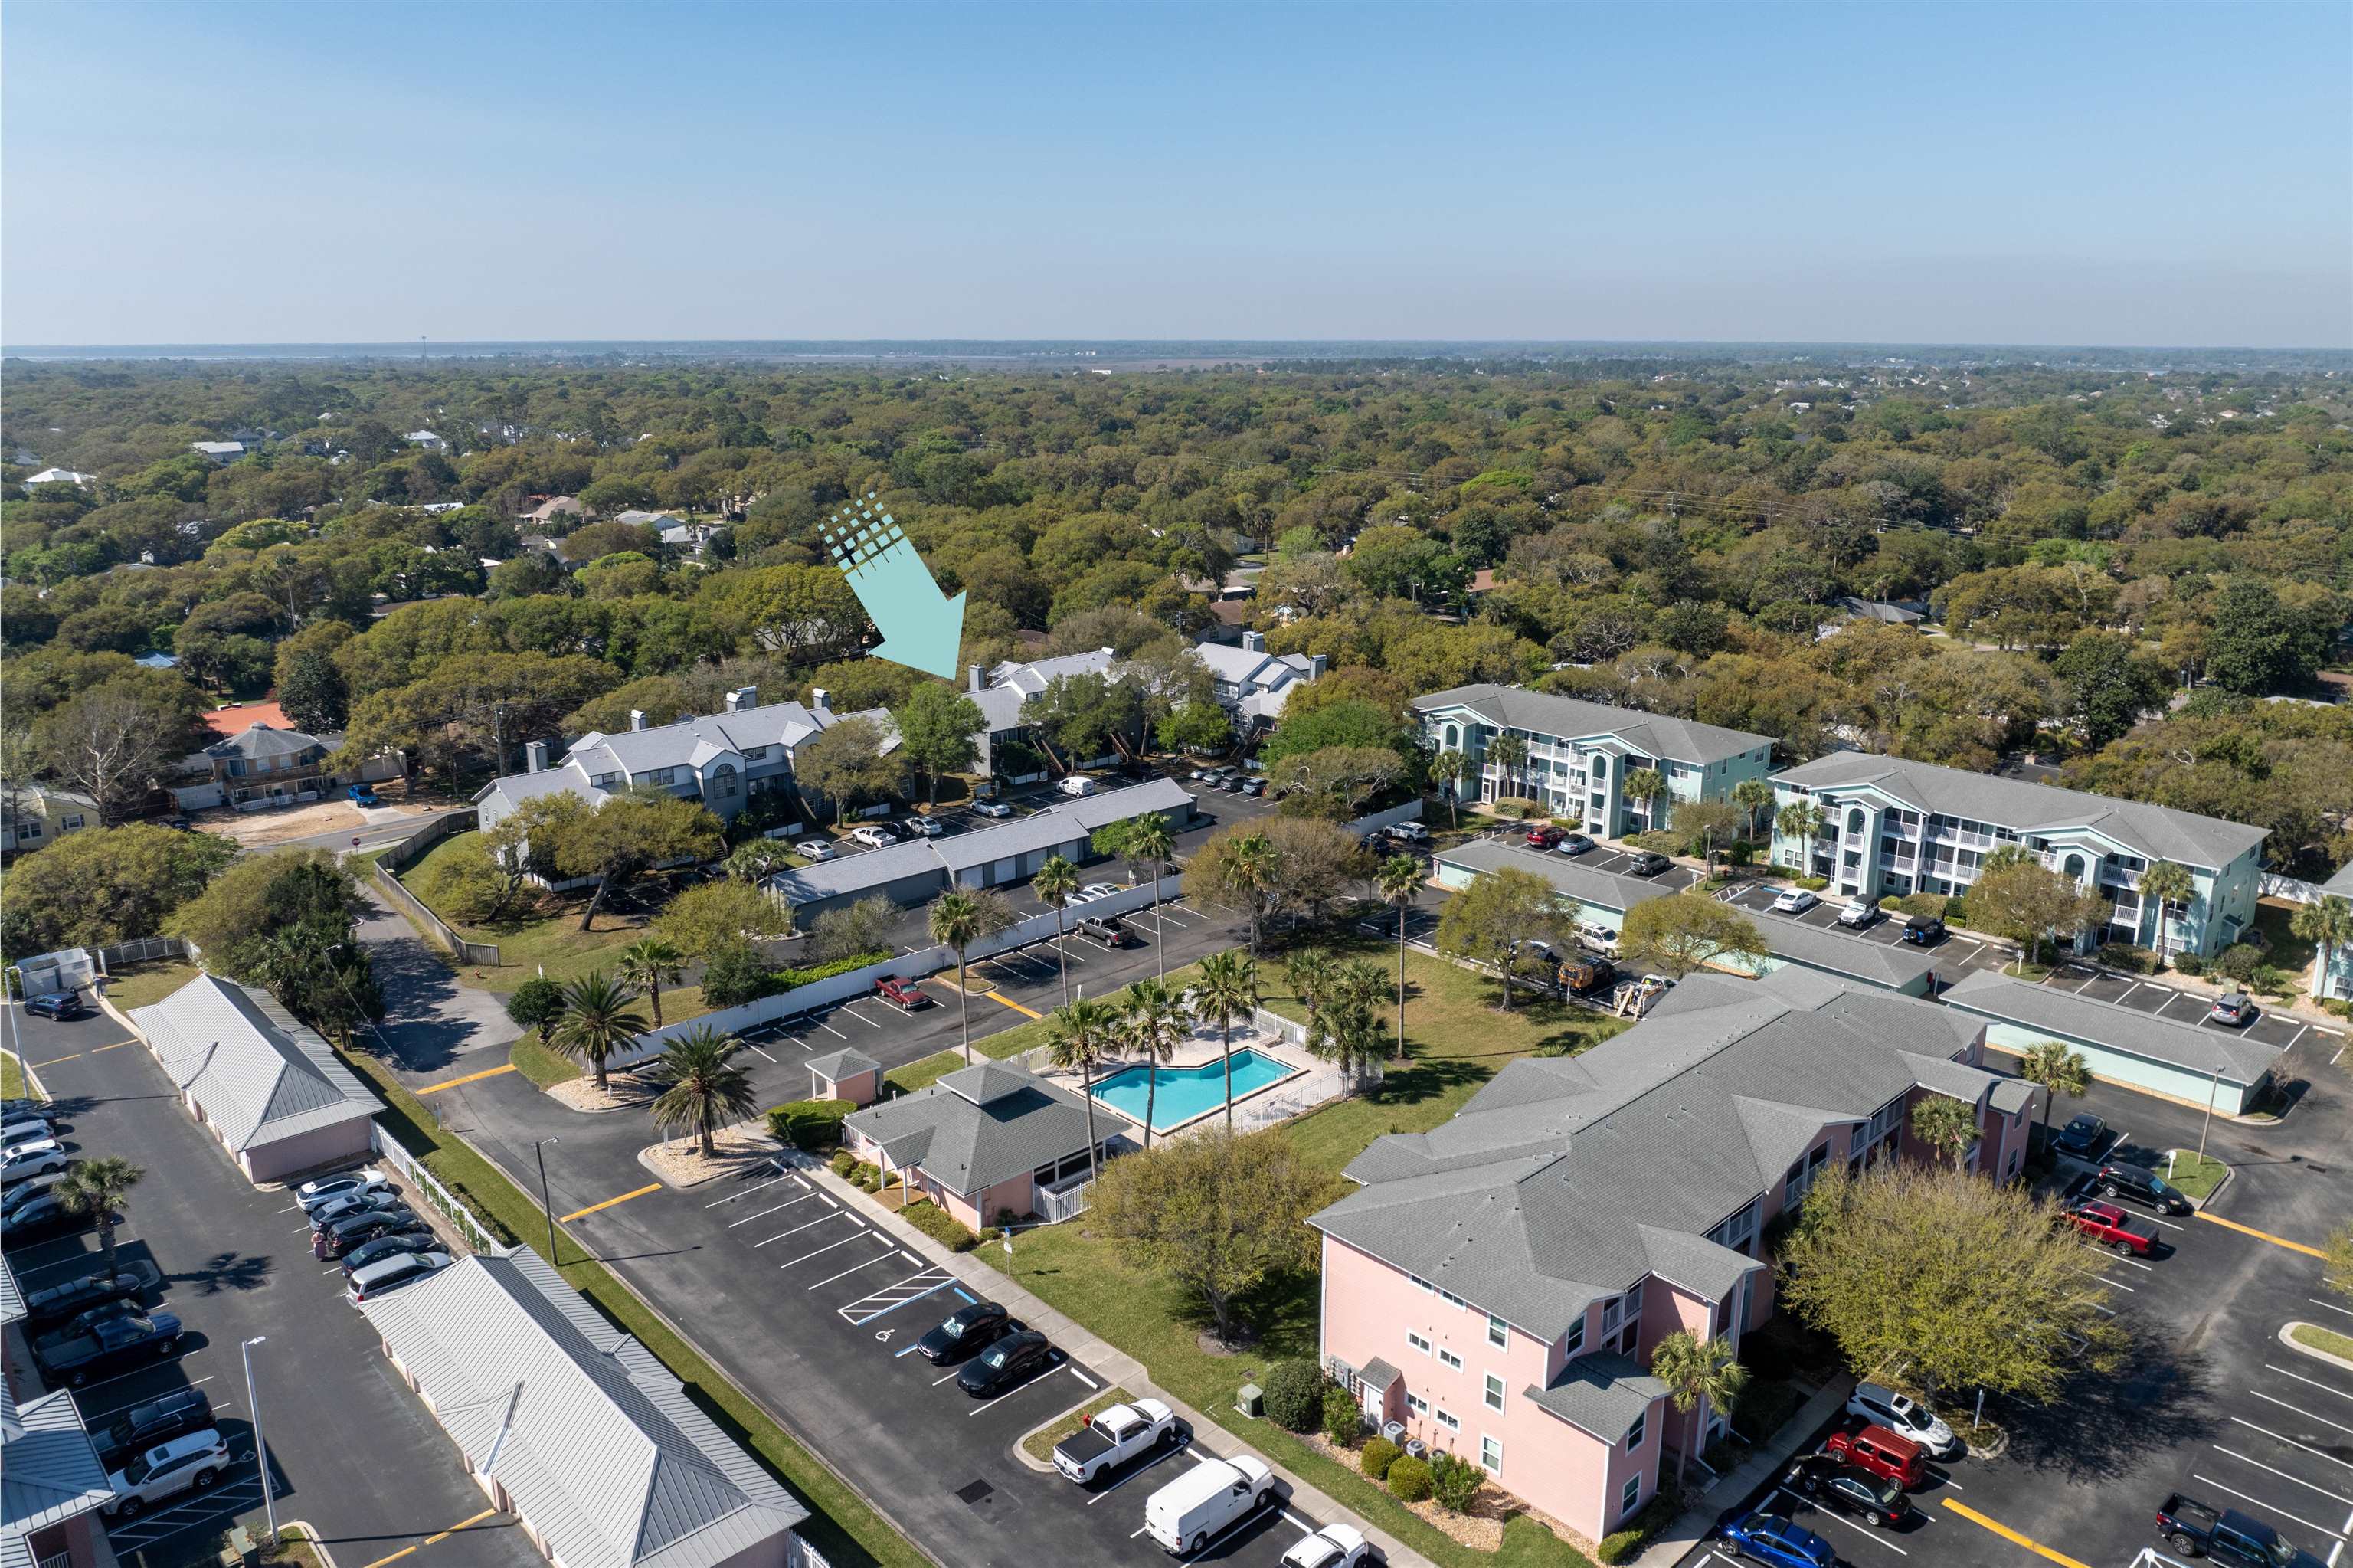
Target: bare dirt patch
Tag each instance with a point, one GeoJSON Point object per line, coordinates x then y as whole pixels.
{"type": "Point", "coordinates": [681, 1162]}
{"type": "Point", "coordinates": [623, 1091]}
{"type": "Point", "coordinates": [252, 828]}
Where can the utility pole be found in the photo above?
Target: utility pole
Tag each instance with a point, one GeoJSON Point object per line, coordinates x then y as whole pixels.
{"type": "Point", "coordinates": [538, 1148]}
{"type": "Point", "coordinates": [261, 1444]}
{"type": "Point", "coordinates": [2213, 1088]}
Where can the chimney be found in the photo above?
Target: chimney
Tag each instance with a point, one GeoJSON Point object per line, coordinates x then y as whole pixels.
{"type": "Point", "coordinates": [819, 697]}
{"type": "Point", "coordinates": [1315, 664]}
{"type": "Point", "coordinates": [972, 672]}
{"type": "Point", "coordinates": [743, 697]}
{"type": "Point", "coordinates": [1253, 641]}
{"type": "Point", "coordinates": [535, 757]}
{"type": "Point", "coordinates": [637, 718]}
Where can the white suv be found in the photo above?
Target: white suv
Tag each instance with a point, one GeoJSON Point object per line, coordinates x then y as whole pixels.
{"type": "Point", "coordinates": [33, 1156]}
{"type": "Point", "coordinates": [167, 1469]}
{"type": "Point", "coordinates": [1905, 1418]}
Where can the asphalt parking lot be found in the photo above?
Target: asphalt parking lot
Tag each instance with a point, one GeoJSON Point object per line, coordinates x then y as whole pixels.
{"type": "Point", "coordinates": [2279, 1032]}
{"type": "Point", "coordinates": [352, 1451]}
{"type": "Point", "coordinates": [1956, 955]}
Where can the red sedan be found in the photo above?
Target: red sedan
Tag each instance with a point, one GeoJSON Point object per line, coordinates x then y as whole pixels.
{"type": "Point", "coordinates": [1545, 837]}
{"type": "Point", "coordinates": [2107, 1225]}
{"type": "Point", "coordinates": [901, 993]}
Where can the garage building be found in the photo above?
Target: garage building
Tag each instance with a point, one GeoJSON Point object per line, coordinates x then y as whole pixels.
{"type": "Point", "coordinates": [2171, 1058]}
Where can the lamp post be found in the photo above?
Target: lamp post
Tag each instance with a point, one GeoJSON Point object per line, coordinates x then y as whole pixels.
{"type": "Point", "coordinates": [2213, 1088]}
{"type": "Point", "coordinates": [539, 1150]}
{"type": "Point", "coordinates": [260, 1443]}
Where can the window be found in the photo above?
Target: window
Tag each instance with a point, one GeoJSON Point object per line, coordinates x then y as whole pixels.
{"type": "Point", "coordinates": [755, 754]}
{"type": "Point", "coordinates": [1421, 1284]}
{"type": "Point", "coordinates": [1416, 1405]}
{"type": "Point", "coordinates": [1448, 1420]}
{"type": "Point", "coordinates": [1417, 1341]}
{"type": "Point", "coordinates": [1499, 1334]}
{"type": "Point", "coordinates": [1630, 1496]}
{"type": "Point", "coordinates": [69, 824]}
{"type": "Point", "coordinates": [660, 775]}
{"type": "Point", "coordinates": [1451, 1299]}
{"type": "Point", "coordinates": [1449, 1361]}
{"type": "Point", "coordinates": [605, 781]}
{"type": "Point", "coordinates": [1636, 1433]}
{"type": "Point", "coordinates": [1494, 1392]}
{"type": "Point", "coordinates": [1573, 1340]}
{"type": "Point", "coordinates": [1490, 1456]}
{"type": "Point", "coordinates": [31, 830]}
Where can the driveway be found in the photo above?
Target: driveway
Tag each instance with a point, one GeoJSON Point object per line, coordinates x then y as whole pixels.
{"type": "Point", "coordinates": [430, 1019]}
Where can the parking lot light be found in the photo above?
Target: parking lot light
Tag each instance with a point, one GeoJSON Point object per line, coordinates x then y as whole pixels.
{"type": "Point", "coordinates": [260, 1443]}
{"type": "Point", "coordinates": [539, 1150]}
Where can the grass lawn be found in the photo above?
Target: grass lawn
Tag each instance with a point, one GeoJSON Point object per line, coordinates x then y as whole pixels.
{"type": "Point", "coordinates": [2321, 1338]}
{"type": "Point", "coordinates": [1039, 1445]}
{"type": "Point", "coordinates": [2288, 950]}
{"type": "Point", "coordinates": [2196, 1181]}
{"type": "Point", "coordinates": [546, 1067]}
{"type": "Point", "coordinates": [546, 940]}
{"type": "Point", "coordinates": [12, 1082]}
{"type": "Point", "coordinates": [143, 985]}
{"type": "Point", "coordinates": [841, 1526]}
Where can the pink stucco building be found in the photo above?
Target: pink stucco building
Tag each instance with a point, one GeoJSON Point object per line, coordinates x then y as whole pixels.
{"type": "Point", "coordinates": [1498, 1284]}
{"type": "Point", "coordinates": [979, 1143]}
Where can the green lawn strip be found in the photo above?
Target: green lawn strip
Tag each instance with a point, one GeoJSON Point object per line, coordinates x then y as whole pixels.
{"type": "Point", "coordinates": [540, 943]}
{"type": "Point", "coordinates": [540, 1064]}
{"type": "Point", "coordinates": [143, 985]}
{"type": "Point", "coordinates": [2321, 1338]}
{"type": "Point", "coordinates": [2196, 1181]}
{"type": "Point", "coordinates": [841, 1525]}
{"type": "Point", "coordinates": [14, 1085]}
{"type": "Point", "coordinates": [1039, 1445]}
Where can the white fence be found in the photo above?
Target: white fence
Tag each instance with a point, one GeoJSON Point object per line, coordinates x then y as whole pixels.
{"type": "Point", "coordinates": [1067, 1201]}
{"type": "Point", "coordinates": [412, 1169]}
{"type": "Point", "coordinates": [2295, 889]}
{"type": "Point", "coordinates": [1408, 812]}
{"type": "Point", "coordinates": [143, 949]}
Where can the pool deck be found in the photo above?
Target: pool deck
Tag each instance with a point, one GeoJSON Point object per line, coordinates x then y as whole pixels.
{"type": "Point", "coordinates": [1305, 1083]}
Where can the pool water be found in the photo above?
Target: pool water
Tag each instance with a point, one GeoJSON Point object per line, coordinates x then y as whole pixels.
{"type": "Point", "coordinates": [1186, 1092]}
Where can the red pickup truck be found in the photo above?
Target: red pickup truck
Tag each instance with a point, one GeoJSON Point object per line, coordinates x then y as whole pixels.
{"type": "Point", "coordinates": [2107, 1225]}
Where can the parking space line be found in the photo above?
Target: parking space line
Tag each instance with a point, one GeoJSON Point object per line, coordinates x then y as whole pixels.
{"type": "Point", "coordinates": [829, 1028]}
{"type": "Point", "coordinates": [771, 1059]}
{"type": "Point", "coordinates": [1083, 1377]}
{"type": "Point", "coordinates": [102, 1414]}
{"type": "Point", "coordinates": [2168, 1001]}
{"type": "Point", "coordinates": [764, 1213]}
{"type": "Point", "coordinates": [593, 1208]}
{"type": "Point", "coordinates": [796, 1230]}
{"type": "Point", "coordinates": [2297, 1036]}
{"type": "Point", "coordinates": [747, 1191]}
{"type": "Point", "coordinates": [2314, 1382]}
{"type": "Point", "coordinates": [1156, 1460]}
{"type": "Point", "coordinates": [116, 1046]}
{"type": "Point", "coordinates": [1974, 1517]}
{"type": "Point", "coordinates": [2213, 1219]}
{"type": "Point", "coordinates": [55, 1060]}
{"type": "Point", "coordinates": [2283, 1475]}
{"type": "Point", "coordinates": [2283, 1405]}
{"type": "Point", "coordinates": [2114, 1283]}
{"type": "Point", "coordinates": [453, 1529]}
{"type": "Point", "coordinates": [2315, 1452]}
{"type": "Point", "coordinates": [846, 1273]}
{"type": "Point", "coordinates": [2266, 1506]}
{"type": "Point", "coordinates": [468, 1078]}
{"type": "Point", "coordinates": [1795, 1502]}
{"type": "Point", "coordinates": [2330, 1305]}
{"type": "Point", "coordinates": [829, 1246]}
{"type": "Point", "coordinates": [1040, 1382]}
{"type": "Point", "coordinates": [118, 1377]}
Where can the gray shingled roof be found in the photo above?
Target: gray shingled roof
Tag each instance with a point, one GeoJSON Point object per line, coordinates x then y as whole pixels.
{"type": "Point", "coordinates": [1378, 1375]}
{"type": "Point", "coordinates": [1568, 879]}
{"type": "Point", "coordinates": [2157, 832]}
{"type": "Point", "coordinates": [841, 1064]}
{"type": "Point", "coordinates": [597, 1443]}
{"type": "Point", "coordinates": [1031, 676]}
{"type": "Point", "coordinates": [1541, 713]}
{"type": "Point", "coordinates": [2175, 1041]}
{"type": "Point", "coordinates": [1892, 964]}
{"type": "Point", "coordinates": [1601, 1393]}
{"type": "Point", "coordinates": [966, 1147]}
{"type": "Point", "coordinates": [260, 1073]}
{"type": "Point", "coordinates": [49, 1472]}
{"type": "Point", "coordinates": [1566, 1180]}
{"type": "Point", "coordinates": [259, 740]}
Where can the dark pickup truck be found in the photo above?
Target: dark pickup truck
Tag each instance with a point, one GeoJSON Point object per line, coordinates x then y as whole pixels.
{"type": "Point", "coordinates": [59, 1303]}
{"type": "Point", "coordinates": [108, 1345]}
{"type": "Point", "coordinates": [2195, 1528]}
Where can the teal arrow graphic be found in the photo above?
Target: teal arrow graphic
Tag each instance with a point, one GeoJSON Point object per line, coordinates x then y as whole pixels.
{"type": "Point", "coordinates": [921, 627]}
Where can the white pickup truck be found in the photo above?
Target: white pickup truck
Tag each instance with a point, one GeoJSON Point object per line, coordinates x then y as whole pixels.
{"type": "Point", "coordinates": [1113, 1438]}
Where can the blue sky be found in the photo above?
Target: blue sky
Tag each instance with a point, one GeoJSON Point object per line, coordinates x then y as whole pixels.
{"type": "Point", "coordinates": [2093, 174]}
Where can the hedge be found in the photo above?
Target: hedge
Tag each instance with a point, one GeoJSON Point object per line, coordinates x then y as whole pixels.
{"type": "Point", "coordinates": [1378, 1455]}
{"type": "Point", "coordinates": [808, 1124]}
{"type": "Point", "coordinates": [2130, 958]}
{"type": "Point", "coordinates": [1657, 1514]}
{"type": "Point", "coordinates": [788, 980]}
{"type": "Point", "coordinates": [940, 1226]}
{"type": "Point", "coordinates": [1294, 1395]}
{"type": "Point", "coordinates": [1409, 1479]}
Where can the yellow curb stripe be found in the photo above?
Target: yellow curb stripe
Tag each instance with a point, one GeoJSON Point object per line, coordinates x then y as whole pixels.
{"type": "Point", "coordinates": [2010, 1535]}
{"type": "Point", "coordinates": [1008, 1001]}
{"type": "Point", "coordinates": [460, 1525]}
{"type": "Point", "coordinates": [403, 1552]}
{"type": "Point", "coordinates": [116, 1046]}
{"type": "Point", "coordinates": [55, 1060]}
{"type": "Point", "coordinates": [648, 1187]}
{"type": "Point", "coordinates": [468, 1078]}
{"type": "Point", "coordinates": [2261, 1235]}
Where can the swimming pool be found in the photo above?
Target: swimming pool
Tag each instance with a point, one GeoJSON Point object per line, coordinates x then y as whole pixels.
{"type": "Point", "coordinates": [1187, 1091]}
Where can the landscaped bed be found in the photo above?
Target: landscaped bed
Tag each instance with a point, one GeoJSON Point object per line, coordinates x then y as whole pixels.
{"type": "Point", "coordinates": [2197, 1179]}
{"type": "Point", "coordinates": [1039, 1445]}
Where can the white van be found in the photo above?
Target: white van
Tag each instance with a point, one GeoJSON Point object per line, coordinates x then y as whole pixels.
{"type": "Point", "coordinates": [1077, 784]}
{"type": "Point", "coordinates": [1205, 1501]}
{"type": "Point", "coordinates": [392, 1273]}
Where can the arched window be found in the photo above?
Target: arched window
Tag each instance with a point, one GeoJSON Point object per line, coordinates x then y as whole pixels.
{"type": "Point", "coordinates": [1854, 821]}
{"type": "Point", "coordinates": [1599, 768]}
{"type": "Point", "coordinates": [2076, 867]}
{"type": "Point", "coordinates": [723, 781]}
{"type": "Point", "coordinates": [1453, 738]}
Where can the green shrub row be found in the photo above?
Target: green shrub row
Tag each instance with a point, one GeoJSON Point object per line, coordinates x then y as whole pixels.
{"type": "Point", "coordinates": [943, 1227]}
{"type": "Point", "coordinates": [788, 980]}
{"type": "Point", "coordinates": [1657, 1514]}
{"type": "Point", "coordinates": [1409, 1479]}
{"type": "Point", "coordinates": [808, 1124]}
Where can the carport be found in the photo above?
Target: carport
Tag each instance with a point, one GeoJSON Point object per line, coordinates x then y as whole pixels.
{"type": "Point", "coordinates": [1590, 894]}
{"type": "Point", "coordinates": [2173, 1059]}
{"type": "Point", "coordinates": [1889, 965]}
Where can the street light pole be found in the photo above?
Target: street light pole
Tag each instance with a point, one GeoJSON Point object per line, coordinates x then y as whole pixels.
{"type": "Point", "coordinates": [538, 1148]}
{"type": "Point", "coordinates": [2213, 1088]}
{"type": "Point", "coordinates": [260, 1443]}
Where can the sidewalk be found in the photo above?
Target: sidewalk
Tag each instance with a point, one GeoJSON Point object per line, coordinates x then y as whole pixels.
{"type": "Point", "coordinates": [1699, 1518]}
{"type": "Point", "coordinates": [1099, 1354]}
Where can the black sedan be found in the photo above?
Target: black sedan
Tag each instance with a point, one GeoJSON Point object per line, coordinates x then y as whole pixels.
{"type": "Point", "coordinates": [351, 1203]}
{"type": "Point", "coordinates": [963, 1332]}
{"type": "Point", "coordinates": [339, 1236]}
{"type": "Point", "coordinates": [112, 1344]}
{"type": "Point", "coordinates": [43, 1217]}
{"type": "Point", "coordinates": [74, 1297]}
{"type": "Point", "coordinates": [1824, 1480]}
{"type": "Point", "coordinates": [2081, 1136]}
{"type": "Point", "coordinates": [385, 1246]}
{"type": "Point", "coordinates": [1013, 1359]}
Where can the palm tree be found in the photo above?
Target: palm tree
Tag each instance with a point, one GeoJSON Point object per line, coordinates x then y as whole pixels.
{"type": "Point", "coordinates": [1153, 1023]}
{"type": "Point", "coordinates": [756, 859]}
{"type": "Point", "coordinates": [648, 964]}
{"type": "Point", "coordinates": [2167, 884]}
{"type": "Point", "coordinates": [1509, 753]}
{"type": "Point", "coordinates": [1309, 975]}
{"type": "Point", "coordinates": [1227, 990]}
{"type": "Point", "coordinates": [958, 919]}
{"type": "Point", "coordinates": [1398, 880]}
{"type": "Point", "coordinates": [1646, 785]}
{"type": "Point", "coordinates": [1148, 840]}
{"type": "Point", "coordinates": [1800, 821]}
{"type": "Point", "coordinates": [1081, 1037]}
{"type": "Point", "coordinates": [597, 1021]}
{"type": "Point", "coordinates": [2059, 1072]}
{"type": "Point", "coordinates": [1055, 881]}
{"type": "Point", "coordinates": [1347, 1028]}
{"type": "Point", "coordinates": [2328, 925]}
{"type": "Point", "coordinates": [97, 1188]}
{"type": "Point", "coordinates": [1698, 1372]}
{"type": "Point", "coordinates": [1753, 796]}
{"type": "Point", "coordinates": [702, 1089]}
{"type": "Point", "coordinates": [1448, 769]}
{"type": "Point", "coordinates": [1945, 1125]}
{"type": "Point", "coordinates": [1256, 863]}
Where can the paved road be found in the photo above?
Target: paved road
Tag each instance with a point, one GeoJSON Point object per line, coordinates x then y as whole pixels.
{"type": "Point", "coordinates": [353, 1452]}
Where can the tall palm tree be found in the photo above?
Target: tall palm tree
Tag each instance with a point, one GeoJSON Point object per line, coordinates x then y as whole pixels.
{"type": "Point", "coordinates": [1082, 1034]}
{"type": "Point", "coordinates": [1753, 796]}
{"type": "Point", "coordinates": [1510, 753]}
{"type": "Point", "coordinates": [1801, 821]}
{"type": "Point", "coordinates": [1153, 1023]}
{"type": "Point", "coordinates": [597, 1021]}
{"type": "Point", "coordinates": [1256, 863]}
{"type": "Point", "coordinates": [2059, 1072]}
{"type": "Point", "coordinates": [2328, 924]}
{"type": "Point", "coordinates": [1150, 841]}
{"type": "Point", "coordinates": [958, 919]}
{"type": "Point", "coordinates": [97, 1188]}
{"type": "Point", "coordinates": [1227, 990]}
{"type": "Point", "coordinates": [1448, 769]}
{"type": "Point", "coordinates": [1347, 1028]}
{"type": "Point", "coordinates": [1309, 974]}
{"type": "Point", "coordinates": [1398, 880]}
{"type": "Point", "coordinates": [648, 964]}
{"type": "Point", "coordinates": [1646, 785]}
{"type": "Point", "coordinates": [1055, 881]}
{"type": "Point", "coordinates": [702, 1089]}
{"type": "Point", "coordinates": [1698, 1372]}
{"type": "Point", "coordinates": [2169, 885]}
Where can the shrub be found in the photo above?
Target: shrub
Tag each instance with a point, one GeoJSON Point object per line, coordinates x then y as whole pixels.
{"type": "Point", "coordinates": [843, 1162]}
{"type": "Point", "coordinates": [1764, 1406]}
{"type": "Point", "coordinates": [2268, 979]}
{"type": "Point", "coordinates": [1455, 1481]}
{"type": "Point", "coordinates": [940, 1226]}
{"type": "Point", "coordinates": [2132, 959]}
{"type": "Point", "coordinates": [1957, 911]}
{"type": "Point", "coordinates": [1656, 1515]}
{"type": "Point", "coordinates": [808, 1124]}
{"type": "Point", "coordinates": [1378, 1454]}
{"type": "Point", "coordinates": [734, 975]}
{"type": "Point", "coordinates": [1409, 1479]}
{"type": "Point", "coordinates": [1618, 1547]}
{"type": "Point", "coordinates": [1343, 1422]}
{"type": "Point", "coordinates": [2337, 1006]}
{"type": "Point", "coordinates": [1662, 840]}
{"type": "Point", "coordinates": [536, 1003]}
{"type": "Point", "coordinates": [1920, 902]}
{"type": "Point", "coordinates": [1294, 1395]}
{"type": "Point", "coordinates": [1517, 807]}
{"type": "Point", "coordinates": [2188, 964]}
{"type": "Point", "coordinates": [2239, 962]}
{"type": "Point", "coordinates": [1812, 884]}
{"type": "Point", "coordinates": [786, 980]}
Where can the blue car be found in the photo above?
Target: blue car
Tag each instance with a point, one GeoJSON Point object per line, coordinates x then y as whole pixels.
{"type": "Point", "coordinates": [1768, 1538]}
{"type": "Point", "coordinates": [362, 795]}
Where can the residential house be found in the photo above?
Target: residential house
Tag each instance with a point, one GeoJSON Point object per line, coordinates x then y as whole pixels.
{"type": "Point", "coordinates": [981, 1142]}
{"type": "Point", "coordinates": [34, 815]}
{"type": "Point", "coordinates": [575, 1428]}
{"type": "Point", "coordinates": [1890, 826]}
{"type": "Point", "coordinates": [1253, 684]}
{"type": "Point", "coordinates": [219, 451]}
{"type": "Point", "coordinates": [549, 509]}
{"type": "Point", "coordinates": [1580, 753]}
{"type": "Point", "coordinates": [1498, 1284]}
{"type": "Point", "coordinates": [62, 476]}
{"type": "Point", "coordinates": [51, 1483]}
{"type": "Point", "coordinates": [1002, 692]}
{"type": "Point", "coordinates": [2334, 970]}
{"type": "Point", "coordinates": [266, 765]}
{"type": "Point", "coordinates": [259, 1079]}
{"type": "Point", "coordinates": [430, 441]}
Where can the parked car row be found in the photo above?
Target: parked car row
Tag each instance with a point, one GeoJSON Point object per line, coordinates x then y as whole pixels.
{"type": "Point", "coordinates": [360, 1219]}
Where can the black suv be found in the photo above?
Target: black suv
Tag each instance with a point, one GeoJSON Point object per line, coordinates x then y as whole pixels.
{"type": "Point", "coordinates": [1648, 863]}
{"type": "Point", "coordinates": [142, 1426]}
{"type": "Point", "coordinates": [2081, 1136]}
{"type": "Point", "coordinates": [1924, 931]}
{"type": "Point", "coordinates": [339, 1236]}
{"type": "Point", "coordinates": [2139, 1183]}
